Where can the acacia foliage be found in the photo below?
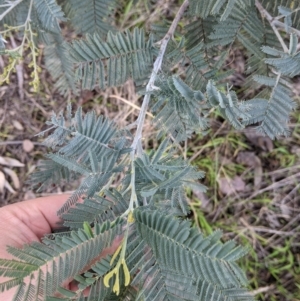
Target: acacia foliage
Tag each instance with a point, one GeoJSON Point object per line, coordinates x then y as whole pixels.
{"type": "Point", "coordinates": [181, 75]}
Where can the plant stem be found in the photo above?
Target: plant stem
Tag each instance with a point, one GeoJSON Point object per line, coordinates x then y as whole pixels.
{"type": "Point", "coordinates": [12, 6]}
{"type": "Point", "coordinates": [136, 144]}
{"type": "Point", "coordinates": [150, 86]}
{"type": "Point", "coordinates": [282, 25]}
{"type": "Point", "coordinates": [133, 197]}
{"type": "Point", "coordinates": [282, 16]}
{"type": "Point", "coordinates": [266, 14]}
{"type": "Point", "coordinates": [29, 12]}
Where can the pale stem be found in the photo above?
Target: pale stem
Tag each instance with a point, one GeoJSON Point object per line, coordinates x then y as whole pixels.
{"type": "Point", "coordinates": [26, 25]}
{"type": "Point", "coordinates": [282, 16]}
{"type": "Point", "coordinates": [136, 144]}
{"type": "Point", "coordinates": [29, 12]}
{"type": "Point", "coordinates": [274, 22]}
{"type": "Point", "coordinates": [12, 6]}
{"type": "Point", "coordinates": [266, 14]}
{"type": "Point", "coordinates": [156, 68]}
{"type": "Point", "coordinates": [282, 25]}
{"type": "Point", "coordinates": [133, 198]}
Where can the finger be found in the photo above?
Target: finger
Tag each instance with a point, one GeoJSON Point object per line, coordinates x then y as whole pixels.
{"type": "Point", "coordinates": [39, 215]}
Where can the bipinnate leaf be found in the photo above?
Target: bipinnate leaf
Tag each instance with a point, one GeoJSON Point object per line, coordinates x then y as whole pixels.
{"type": "Point", "coordinates": [207, 266]}
{"type": "Point", "coordinates": [40, 270]}
{"type": "Point", "coordinates": [49, 14]}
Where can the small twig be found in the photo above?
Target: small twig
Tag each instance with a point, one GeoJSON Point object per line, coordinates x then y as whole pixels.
{"type": "Point", "coordinates": [276, 185]}
{"type": "Point", "coordinates": [266, 14]}
{"type": "Point", "coordinates": [136, 144]}
{"type": "Point", "coordinates": [267, 230]}
{"type": "Point", "coordinates": [288, 196]}
{"type": "Point", "coordinates": [19, 142]}
{"type": "Point", "coordinates": [291, 223]}
{"type": "Point", "coordinates": [283, 26]}
{"type": "Point", "coordinates": [130, 104]}
{"type": "Point", "coordinates": [19, 69]}
{"type": "Point", "coordinates": [282, 16]}
{"type": "Point", "coordinates": [275, 21]}
{"type": "Point", "coordinates": [28, 19]}
{"type": "Point", "coordinates": [283, 170]}
{"type": "Point", "coordinates": [156, 69]}
{"type": "Point", "coordinates": [12, 6]}
{"type": "Point", "coordinates": [262, 290]}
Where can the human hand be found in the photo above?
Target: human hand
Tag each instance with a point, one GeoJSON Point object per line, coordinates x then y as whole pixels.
{"type": "Point", "coordinates": [29, 221]}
